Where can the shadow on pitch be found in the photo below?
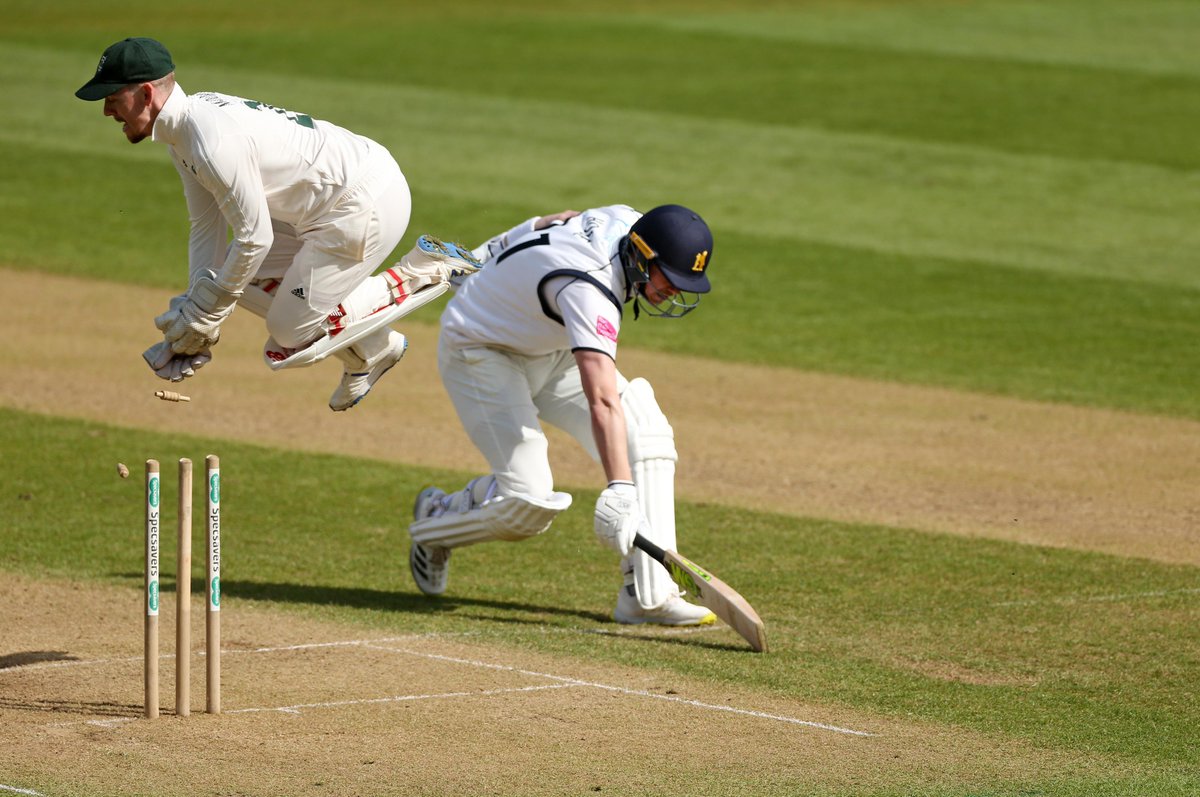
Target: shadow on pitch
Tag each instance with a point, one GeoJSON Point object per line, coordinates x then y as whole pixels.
{"type": "Point", "coordinates": [692, 641]}
{"type": "Point", "coordinates": [82, 708]}
{"type": "Point", "coordinates": [34, 657]}
{"type": "Point", "coordinates": [633, 634]}
{"type": "Point", "coordinates": [380, 600]}
{"type": "Point", "coordinates": [492, 611]}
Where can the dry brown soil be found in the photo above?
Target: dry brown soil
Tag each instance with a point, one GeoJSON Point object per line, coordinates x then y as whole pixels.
{"type": "Point", "coordinates": [461, 715]}
{"type": "Point", "coordinates": [313, 708]}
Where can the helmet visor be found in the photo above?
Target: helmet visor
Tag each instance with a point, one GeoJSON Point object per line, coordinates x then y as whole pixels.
{"type": "Point", "coordinates": [676, 306]}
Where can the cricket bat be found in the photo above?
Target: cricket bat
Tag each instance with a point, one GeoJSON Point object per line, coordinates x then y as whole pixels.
{"type": "Point", "coordinates": [711, 591]}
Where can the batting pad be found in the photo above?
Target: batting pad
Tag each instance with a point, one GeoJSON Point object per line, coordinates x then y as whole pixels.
{"type": "Point", "coordinates": [358, 330]}
{"type": "Point", "coordinates": [652, 458]}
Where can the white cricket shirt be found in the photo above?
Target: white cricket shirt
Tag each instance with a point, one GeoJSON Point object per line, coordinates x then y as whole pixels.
{"type": "Point", "coordinates": [243, 163]}
{"type": "Point", "coordinates": [541, 291]}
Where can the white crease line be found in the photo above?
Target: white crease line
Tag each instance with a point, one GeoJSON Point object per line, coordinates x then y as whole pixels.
{"type": "Point", "coordinates": [349, 642]}
{"type": "Point", "coordinates": [375, 644]}
{"type": "Point", "coordinates": [634, 692]}
{"type": "Point", "coordinates": [50, 665]}
{"type": "Point", "coordinates": [108, 723]}
{"type": "Point", "coordinates": [15, 790]}
{"type": "Point", "coordinates": [112, 723]}
{"type": "Point", "coordinates": [1102, 598]}
{"type": "Point", "coordinates": [296, 709]}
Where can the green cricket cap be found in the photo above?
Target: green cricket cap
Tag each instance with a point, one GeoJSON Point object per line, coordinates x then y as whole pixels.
{"type": "Point", "coordinates": [136, 60]}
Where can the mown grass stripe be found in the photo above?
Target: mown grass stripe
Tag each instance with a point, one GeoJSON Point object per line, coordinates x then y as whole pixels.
{"type": "Point", "coordinates": [1151, 36]}
{"type": "Point", "coordinates": [880, 192]}
{"type": "Point", "coordinates": [1065, 111]}
{"type": "Point", "coordinates": [1087, 677]}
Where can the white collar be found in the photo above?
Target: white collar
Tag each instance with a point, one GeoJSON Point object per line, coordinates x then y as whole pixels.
{"type": "Point", "coordinates": [170, 116]}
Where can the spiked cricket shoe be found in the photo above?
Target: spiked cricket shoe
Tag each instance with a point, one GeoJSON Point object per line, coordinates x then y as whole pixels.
{"type": "Point", "coordinates": [456, 261]}
{"type": "Point", "coordinates": [358, 380]}
{"type": "Point", "coordinates": [430, 565]}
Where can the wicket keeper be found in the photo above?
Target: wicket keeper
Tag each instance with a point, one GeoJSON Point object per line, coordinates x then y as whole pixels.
{"type": "Point", "coordinates": [313, 209]}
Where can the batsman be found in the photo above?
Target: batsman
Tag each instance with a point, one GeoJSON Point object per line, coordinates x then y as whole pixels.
{"type": "Point", "coordinates": [290, 217]}
{"type": "Point", "coordinates": [532, 337]}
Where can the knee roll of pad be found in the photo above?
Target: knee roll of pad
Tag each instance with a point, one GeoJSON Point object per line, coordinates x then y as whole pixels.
{"type": "Point", "coordinates": [519, 517]}
{"type": "Point", "coordinates": [500, 517]}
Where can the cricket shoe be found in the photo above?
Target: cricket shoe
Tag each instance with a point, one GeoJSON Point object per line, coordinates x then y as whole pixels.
{"type": "Point", "coordinates": [430, 564]}
{"type": "Point", "coordinates": [431, 262]}
{"type": "Point", "coordinates": [456, 261]}
{"type": "Point", "coordinates": [361, 375]}
{"type": "Point", "coordinates": [675, 611]}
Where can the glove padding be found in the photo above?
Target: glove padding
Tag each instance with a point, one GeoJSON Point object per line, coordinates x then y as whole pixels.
{"type": "Point", "coordinates": [193, 325]}
{"type": "Point", "coordinates": [171, 366]}
{"type": "Point", "coordinates": [619, 517]}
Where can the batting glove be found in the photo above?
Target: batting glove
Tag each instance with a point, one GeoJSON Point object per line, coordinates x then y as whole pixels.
{"type": "Point", "coordinates": [618, 517]}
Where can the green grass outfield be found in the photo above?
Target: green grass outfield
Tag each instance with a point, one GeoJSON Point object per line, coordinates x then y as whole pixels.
{"type": "Point", "coordinates": [854, 610]}
{"type": "Point", "coordinates": [985, 202]}
{"type": "Point", "coordinates": [1000, 197]}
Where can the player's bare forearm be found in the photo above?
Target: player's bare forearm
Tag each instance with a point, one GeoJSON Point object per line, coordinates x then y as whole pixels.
{"type": "Point", "coordinates": [554, 218]}
{"type": "Point", "coordinates": [599, 376]}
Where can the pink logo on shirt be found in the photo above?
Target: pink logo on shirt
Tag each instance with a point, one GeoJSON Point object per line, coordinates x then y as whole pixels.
{"type": "Point", "coordinates": [605, 329]}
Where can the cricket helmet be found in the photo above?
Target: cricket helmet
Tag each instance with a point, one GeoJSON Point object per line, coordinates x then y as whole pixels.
{"type": "Point", "coordinates": [679, 242]}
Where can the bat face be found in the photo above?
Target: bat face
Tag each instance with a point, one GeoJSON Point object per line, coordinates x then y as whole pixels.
{"type": "Point", "coordinates": [714, 593]}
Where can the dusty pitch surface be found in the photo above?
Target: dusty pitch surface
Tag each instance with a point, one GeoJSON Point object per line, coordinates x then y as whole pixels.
{"type": "Point", "coordinates": [787, 441]}
{"type": "Point", "coordinates": [318, 708]}
{"type": "Point", "coordinates": [329, 709]}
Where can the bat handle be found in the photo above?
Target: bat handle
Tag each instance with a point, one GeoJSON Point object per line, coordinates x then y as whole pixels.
{"type": "Point", "coordinates": [652, 550]}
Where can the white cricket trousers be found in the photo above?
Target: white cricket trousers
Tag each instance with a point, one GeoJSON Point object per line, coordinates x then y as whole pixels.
{"type": "Point", "coordinates": [501, 399]}
{"type": "Point", "coordinates": [319, 266]}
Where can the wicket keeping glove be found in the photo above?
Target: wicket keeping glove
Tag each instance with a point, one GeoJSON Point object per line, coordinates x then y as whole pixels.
{"type": "Point", "coordinates": [171, 366]}
{"type": "Point", "coordinates": [618, 517]}
{"type": "Point", "coordinates": [194, 324]}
